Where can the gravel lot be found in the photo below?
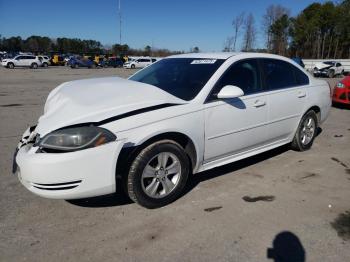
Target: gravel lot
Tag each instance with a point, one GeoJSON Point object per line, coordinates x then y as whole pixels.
{"type": "Point", "coordinates": [299, 193]}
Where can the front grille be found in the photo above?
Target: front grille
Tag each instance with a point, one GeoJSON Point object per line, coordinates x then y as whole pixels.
{"type": "Point", "coordinates": [57, 186]}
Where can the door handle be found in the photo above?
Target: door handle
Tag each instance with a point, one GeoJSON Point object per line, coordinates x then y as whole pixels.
{"type": "Point", "coordinates": [301, 94]}
{"type": "Point", "coordinates": [259, 103]}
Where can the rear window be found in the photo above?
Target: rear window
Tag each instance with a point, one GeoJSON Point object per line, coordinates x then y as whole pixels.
{"type": "Point", "coordinates": [301, 78]}
{"type": "Point", "coordinates": [280, 74]}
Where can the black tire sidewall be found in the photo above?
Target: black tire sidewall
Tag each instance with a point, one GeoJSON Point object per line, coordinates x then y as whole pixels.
{"type": "Point", "coordinates": [297, 140]}
{"type": "Point", "coordinates": [134, 185]}
{"type": "Point", "coordinates": [10, 65]}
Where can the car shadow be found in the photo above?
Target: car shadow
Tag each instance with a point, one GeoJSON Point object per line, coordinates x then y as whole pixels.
{"type": "Point", "coordinates": [232, 167]}
{"type": "Point", "coordinates": [341, 106]}
{"type": "Point", "coordinates": [119, 198]}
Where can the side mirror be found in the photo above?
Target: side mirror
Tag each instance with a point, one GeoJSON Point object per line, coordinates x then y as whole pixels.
{"type": "Point", "coordinates": [229, 91]}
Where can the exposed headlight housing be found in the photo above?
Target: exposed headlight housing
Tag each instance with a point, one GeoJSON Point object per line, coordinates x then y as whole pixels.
{"type": "Point", "coordinates": [75, 138]}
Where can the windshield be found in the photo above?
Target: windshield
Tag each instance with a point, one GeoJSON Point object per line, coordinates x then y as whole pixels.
{"type": "Point", "coordinates": [329, 63]}
{"type": "Point", "coordinates": [181, 77]}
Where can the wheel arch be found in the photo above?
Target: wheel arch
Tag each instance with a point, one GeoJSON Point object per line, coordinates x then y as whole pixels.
{"type": "Point", "coordinates": [317, 110]}
{"type": "Point", "coordinates": [128, 153]}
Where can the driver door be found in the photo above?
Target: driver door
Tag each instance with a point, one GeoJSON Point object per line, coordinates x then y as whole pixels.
{"type": "Point", "coordinates": [235, 126]}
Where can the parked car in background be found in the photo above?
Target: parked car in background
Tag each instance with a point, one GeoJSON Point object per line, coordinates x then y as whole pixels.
{"type": "Point", "coordinates": [45, 60]}
{"type": "Point", "coordinates": [21, 61]}
{"type": "Point", "coordinates": [140, 62]}
{"type": "Point", "coordinates": [76, 62]}
{"type": "Point", "coordinates": [57, 60]}
{"type": "Point", "coordinates": [341, 92]}
{"type": "Point", "coordinates": [299, 61]}
{"type": "Point", "coordinates": [114, 62]}
{"type": "Point", "coordinates": [2, 55]}
{"type": "Point", "coordinates": [184, 114]}
{"type": "Point", "coordinates": [328, 69]}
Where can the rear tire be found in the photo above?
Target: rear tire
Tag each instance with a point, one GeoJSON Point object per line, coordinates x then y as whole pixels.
{"type": "Point", "coordinates": [158, 174]}
{"type": "Point", "coordinates": [34, 65]}
{"type": "Point", "coordinates": [45, 65]}
{"type": "Point", "coordinates": [306, 132]}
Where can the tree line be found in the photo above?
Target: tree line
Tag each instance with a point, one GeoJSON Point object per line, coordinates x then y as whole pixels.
{"type": "Point", "coordinates": [319, 31]}
{"type": "Point", "coordinates": [46, 45]}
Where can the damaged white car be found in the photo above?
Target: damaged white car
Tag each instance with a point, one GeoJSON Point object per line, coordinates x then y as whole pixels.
{"type": "Point", "coordinates": [180, 116]}
{"type": "Point", "coordinates": [328, 69]}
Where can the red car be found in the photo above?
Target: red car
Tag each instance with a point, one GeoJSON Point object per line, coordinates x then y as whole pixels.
{"type": "Point", "coordinates": [341, 93]}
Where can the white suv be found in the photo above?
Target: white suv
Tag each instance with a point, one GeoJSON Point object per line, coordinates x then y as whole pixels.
{"type": "Point", "coordinates": [22, 61]}
{"type": "Point", "coordinates": [45, 60]}
{"type": "Point", "coordinates": [140, 62]}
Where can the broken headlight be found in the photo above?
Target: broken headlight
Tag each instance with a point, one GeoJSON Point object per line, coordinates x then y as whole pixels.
{"type": "Point", "coordinates": [77, 138]}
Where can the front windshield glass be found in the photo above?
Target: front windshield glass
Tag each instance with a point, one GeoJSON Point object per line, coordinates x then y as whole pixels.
{"type": "Point", "coordinates": [181, 77]}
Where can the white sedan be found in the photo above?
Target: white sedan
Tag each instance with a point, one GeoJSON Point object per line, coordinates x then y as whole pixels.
{"type": "Point", "coordinates": [182, 115]}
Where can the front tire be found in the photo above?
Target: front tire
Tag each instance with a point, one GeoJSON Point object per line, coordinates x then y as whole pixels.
{"type": "Point", "coordinates": [34, 65]}
{"type": "Point", "coordinates": [10, 65]}
{"type": "Point", "coordinates": [133, 66]}
{"type": "Point", "coordinates": [306, 132]}
{"type": "Point", "coordinates": [45, 65]}
{"type": "Point", "coordinates": [158, 174]}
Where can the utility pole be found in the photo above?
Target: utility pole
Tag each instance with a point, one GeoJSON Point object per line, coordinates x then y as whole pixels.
{"type": "Point", "coordinates": [120, 24]}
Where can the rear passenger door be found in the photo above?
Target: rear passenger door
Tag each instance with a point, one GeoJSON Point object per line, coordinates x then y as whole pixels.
{"type": "Point", "coordinates": [286, 87]}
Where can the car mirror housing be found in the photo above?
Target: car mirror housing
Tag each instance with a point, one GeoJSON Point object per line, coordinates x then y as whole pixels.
{"type": "Point", "coordinates": [230, 91]}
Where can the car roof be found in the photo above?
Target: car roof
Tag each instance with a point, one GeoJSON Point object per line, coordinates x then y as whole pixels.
{"type": "Point", "coordinates": [219, 55]}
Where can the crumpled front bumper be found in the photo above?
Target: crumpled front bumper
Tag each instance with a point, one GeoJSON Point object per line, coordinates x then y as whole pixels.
{"type": "Point", "coordinates": [80, 174]}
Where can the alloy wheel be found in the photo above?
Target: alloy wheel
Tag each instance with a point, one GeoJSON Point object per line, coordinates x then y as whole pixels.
{"type": "Point", "coordinates": [161, 175]}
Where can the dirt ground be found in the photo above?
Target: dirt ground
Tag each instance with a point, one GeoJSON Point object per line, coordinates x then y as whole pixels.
{"type": "Point", "coordinates": [280, 202]}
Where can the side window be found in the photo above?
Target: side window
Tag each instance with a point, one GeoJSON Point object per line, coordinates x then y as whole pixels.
{"type": "Point", "coordinates": [19, 58]}
{"type": "Point", "coordinates": [153, 60]}
{"type": "Point", "coordinates": [301, 78]}
{"type": "Point", "coordinates": [244, 74]}
{"type": "Point", "coordinates": [338, 64]}
{"type": "Point", "coordinates": [278, 74]}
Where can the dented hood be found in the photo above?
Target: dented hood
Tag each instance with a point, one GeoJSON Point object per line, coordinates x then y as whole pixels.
{"type": "Point", "coordinates": [94, 100]}
{"type": "Point", "coordinates": [321, 66]}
